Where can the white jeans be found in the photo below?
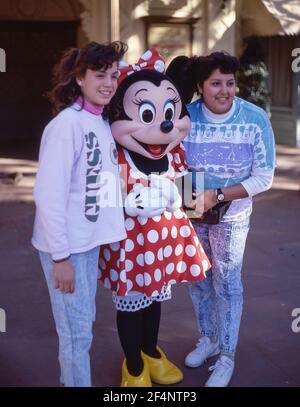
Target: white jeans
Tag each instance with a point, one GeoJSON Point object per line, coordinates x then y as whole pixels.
{"type": "Point", "coordinates": [74, 315]}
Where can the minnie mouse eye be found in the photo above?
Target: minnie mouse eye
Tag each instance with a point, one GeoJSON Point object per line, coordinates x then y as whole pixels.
{"type": "Point", "coordinates": [169, 111]}
{"type": "Point", "coordinates": [147, 113]}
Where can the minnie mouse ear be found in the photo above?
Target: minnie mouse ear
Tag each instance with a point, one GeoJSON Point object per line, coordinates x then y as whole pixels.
{"type": "Point", "coordinates": [179, 71]}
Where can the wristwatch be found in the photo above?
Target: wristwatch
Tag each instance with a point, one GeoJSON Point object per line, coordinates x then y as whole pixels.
{"type": "Point", "coordinates": [220, 195]}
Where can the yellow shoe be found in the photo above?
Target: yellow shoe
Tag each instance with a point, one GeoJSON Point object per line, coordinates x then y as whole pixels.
{"type": "Point", "coordinates": [162, 371]}
{"type": "Point", "coordinates": [143, 380]}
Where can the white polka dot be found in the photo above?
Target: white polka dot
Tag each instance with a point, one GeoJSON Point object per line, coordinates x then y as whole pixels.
{"type": "Point", "coordinates": [129, 285]}
{"type": "Point", "coordinates": [115, 246]}
{"type": "Point", "coordinates": [157, 275]}
{"type": "Point", "coordinates": [155, 294]}
{"type": "Point", "coordinates": [172, 282]}
{"type": "Point", "coordinates": [140, 259]}
{"type": "Point", "coordinates": [157, 218]}
{"type": "Point", "coordinates": [152, 236]}
{"type": "Point", "coordinates": [149, 257]}
{"type": "Point", "coordinates": [147, 279]}
{"type": "Point", "coordinates": [177, 158]}
{"type": "Point", "coordinates": [106, 254]}
{"type": "Point", "coordinates": [140, 239]}
{"type": "Point", "coordinates": [133, 174]}
{"type": "Point", "coordinates": [168, 215]}
{"type": "Point", "coordinates": [168, 251]}
{"type": "Point", "coordinates": [159, 66]}
{"type": "Point", "coordinates": [128, 265]}
{"type": "Point", "coordinates": [164, 233]}
{"type": "Point", "coordinates": [178, 249]}
{"type": "Point", "coordinates": [147, 55]}
{"type": "Point", "coordinates": [170, 268]}
{"type": "Point", "coordinates": [195, 270]}
{"type": "Point", "coordinates": [102, 264]}
{"type": "Point", "coordinates": [205, 265]}
{"type": "Point", "coordinates": [113, 275]}
{"type": "Point", "coordinates": [190, 250]}
{"type": "Point", "coordinates": [174, 232]}
{"type": "Point", "coordinates": [142, 220]}
{"type": "Point", "coordinates": [129, 245]}
{"type": "Point", "coordinates": [129, 224]}
{"type": "Point", "coordinates": [136, 68]}
{"type": "Point", "coordinates": [185, 231]}
{"type": "Point", "coordinates": [178, 214]}
{"type": "Point", "coordinates": [160, 254]}
{"type": "Point", "coordinates": [181, 267]}
{"type": "Point", "coordinates": [123, 276]}
{"type": "Point", "coordinates": [118, 263]}
{"type": "Point", "coordinates": [122, 255]}
{"type": "Point", "coordinates": [196, 240]}
{"type": "Point", "coordinates": [107, 283]}
{"type": "Point", "coordinates": [139, 280]}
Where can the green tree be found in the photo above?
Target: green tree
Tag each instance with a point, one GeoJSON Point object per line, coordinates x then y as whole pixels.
{"type": "Point", "coordinates": [253, 76]}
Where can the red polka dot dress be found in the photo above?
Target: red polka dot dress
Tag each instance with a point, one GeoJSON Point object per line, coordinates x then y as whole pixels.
{"type": "Point", "coordinates": [158, 251]}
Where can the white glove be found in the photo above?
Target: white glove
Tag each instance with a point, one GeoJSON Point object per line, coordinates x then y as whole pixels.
{"type": "Point", "coordinates": [145, 201]}
{"type": "Point", "coordinates": [169, 190]}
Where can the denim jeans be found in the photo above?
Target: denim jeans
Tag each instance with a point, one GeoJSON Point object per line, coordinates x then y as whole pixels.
{"type": "Point", "coordinates": [218, 300]}
{"type": "Point", "coordinates": [74, 315]}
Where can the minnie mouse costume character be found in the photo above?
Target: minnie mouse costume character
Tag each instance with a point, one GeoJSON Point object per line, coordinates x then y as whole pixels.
{"type": "Point", "coordinates": [148, 120]}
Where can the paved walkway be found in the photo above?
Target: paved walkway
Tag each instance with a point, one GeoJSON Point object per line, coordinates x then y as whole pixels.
{"type": "Point", "coordinates": [268, 352]}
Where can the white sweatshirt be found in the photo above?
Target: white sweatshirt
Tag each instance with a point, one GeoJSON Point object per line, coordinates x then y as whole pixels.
{"type": "Point", "coordinates": [77, 190]}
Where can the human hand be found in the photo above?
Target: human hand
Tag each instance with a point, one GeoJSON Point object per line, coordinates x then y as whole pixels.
{"type": "Point", "coordinates": [202, 202]}
{"type": "Point", "coordinates": [64, 277]}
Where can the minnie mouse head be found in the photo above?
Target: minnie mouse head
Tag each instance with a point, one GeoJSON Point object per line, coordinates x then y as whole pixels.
{"type": "Point", "coordinates": [146, 114]}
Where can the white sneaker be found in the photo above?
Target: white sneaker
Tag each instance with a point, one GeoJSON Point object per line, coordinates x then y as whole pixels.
{"type": "Point", "coordinates": [205, 349]}
{"type": "Point", "coordinates": [222, 372]}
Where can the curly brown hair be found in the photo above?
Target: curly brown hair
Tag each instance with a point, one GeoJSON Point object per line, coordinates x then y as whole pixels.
{"type": "Point", "coordinates": [74, 63]}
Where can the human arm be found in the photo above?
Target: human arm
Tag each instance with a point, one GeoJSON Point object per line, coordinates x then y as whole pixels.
{"type": "Point", "coordinates": [52, 186]}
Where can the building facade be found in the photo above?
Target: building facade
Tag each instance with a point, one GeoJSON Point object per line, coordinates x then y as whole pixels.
{"type": "Point", "coordinates": [34, 32]}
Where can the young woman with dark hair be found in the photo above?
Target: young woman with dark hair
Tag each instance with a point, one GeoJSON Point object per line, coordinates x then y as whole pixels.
{"type": "Point", "coordinates": [77, 157]}
{"type": "Point", "coordinates": [231, 142]}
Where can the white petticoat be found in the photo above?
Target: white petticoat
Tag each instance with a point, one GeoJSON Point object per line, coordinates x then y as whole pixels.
{"type": "Point", "coordinates": [135, 301]}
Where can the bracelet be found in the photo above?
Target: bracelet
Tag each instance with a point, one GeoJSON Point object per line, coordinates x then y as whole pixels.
{"type": "Point", "coordinates": [61, 260]}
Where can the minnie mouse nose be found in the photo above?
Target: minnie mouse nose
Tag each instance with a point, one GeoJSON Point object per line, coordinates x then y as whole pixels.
{"type": "Point", "coordinates": [166, 126]}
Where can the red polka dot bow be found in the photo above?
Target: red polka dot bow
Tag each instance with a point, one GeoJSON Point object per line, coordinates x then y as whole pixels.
{"type": "Point", "coordinates": [150, 60]}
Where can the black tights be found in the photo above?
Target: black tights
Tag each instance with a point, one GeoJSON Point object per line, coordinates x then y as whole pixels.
{"type": "Point", "coordinates": [139, 331]}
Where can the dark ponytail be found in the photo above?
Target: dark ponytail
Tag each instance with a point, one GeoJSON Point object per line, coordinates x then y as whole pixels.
{"type": "Point", "coordinates": [74, 63]}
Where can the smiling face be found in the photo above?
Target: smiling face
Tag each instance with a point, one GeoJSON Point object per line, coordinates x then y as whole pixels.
{"type": "Point", "coordinates": [218, 91]}
{"type": "Point", "coordinates": [98, 87]}
{"type": "Point", "coordinates": [154, 127]}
